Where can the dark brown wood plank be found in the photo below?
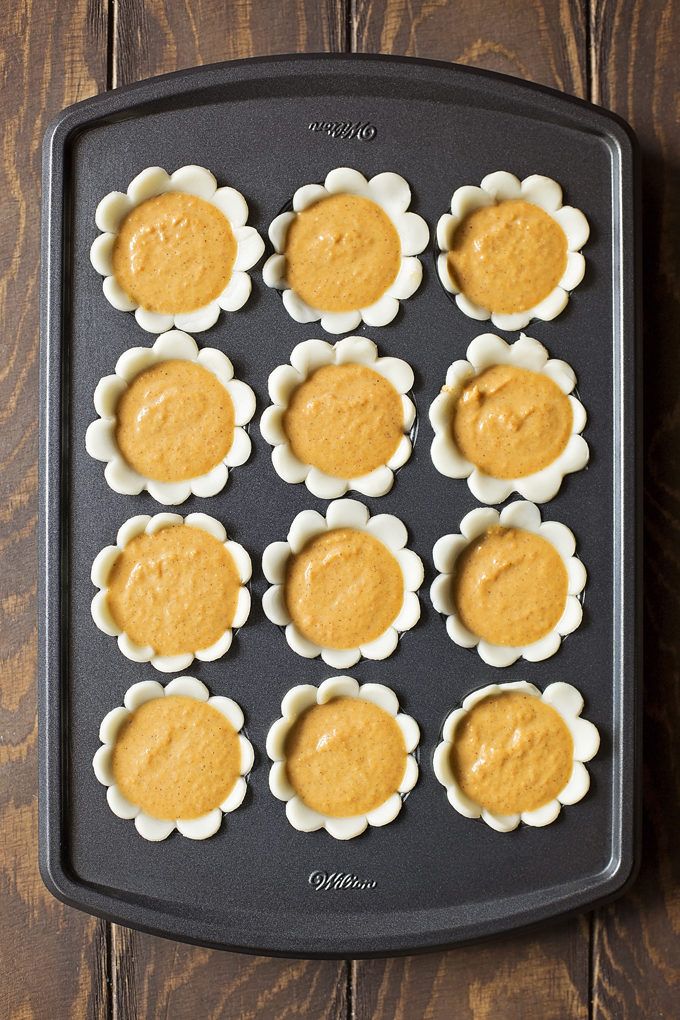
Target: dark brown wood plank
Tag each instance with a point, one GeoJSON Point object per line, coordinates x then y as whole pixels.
{"type": "Point", "coordinates": [155, 37]}
{"type": "Point", "coordinates": [53, 960]}
{"type": "Point", "coordinates": [635, 71]}
{"type": "Point", "coordinates": [540, 40]}
{"type": "Point", "coordinates": [527, 978]}
{"type": "Point", "coordinates": [153, 977]}
{"type": "Point", "coordinates": [546, 976]}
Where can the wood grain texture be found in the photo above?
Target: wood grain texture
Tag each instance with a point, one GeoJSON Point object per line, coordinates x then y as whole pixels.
{"type": "Point", "coordinates": [526, 977]}
{"type": "Point", "coordinates": [155, 37]}
{"type": "Point", "coordinates": [540, 40]}
{"type": "Point", "coordinates": [546, 976]}
{"type": "Point", "coordinates": [53, 960]}
{"type": "Point", "coordinates": [153, 977]}
{"type": "Point", "coordinates": [635, 71]}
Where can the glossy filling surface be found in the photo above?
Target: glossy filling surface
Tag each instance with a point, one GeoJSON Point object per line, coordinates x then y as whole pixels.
{"type": "Point", "coordinates": [512, 753]}
{"type": "Point", "coordinates": [343, 589]}
{"type": "Point", "coordinates": [177, 758]}
{"type": "Point", "coordinates": [175, 591]}
{"type": "Point", "coordinates": [175, 421]}
{"type": "Point", "coordinates": [346, 757]}
{"type": "Point", "coordinates": [511, 422]}
{"type": "Point", "coordinates": [174, 253]}
{"type": "Point", "coordinates": [507, 257]}
{"type": "Point", "coordinates": [342, 253]}
{"type": "Point", "coordinates": [345, 420]}
{"type": "Point", "coordinates": [510, 586]}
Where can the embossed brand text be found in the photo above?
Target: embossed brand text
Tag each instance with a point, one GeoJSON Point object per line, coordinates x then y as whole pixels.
{"type": "Point", "coordinates": [324, 880]}
{"type": "Point", "coordinates": [362, 130]}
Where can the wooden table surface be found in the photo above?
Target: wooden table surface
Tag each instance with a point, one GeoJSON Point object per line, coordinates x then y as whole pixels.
{"type": "Point", "coordinates": [622, 961]}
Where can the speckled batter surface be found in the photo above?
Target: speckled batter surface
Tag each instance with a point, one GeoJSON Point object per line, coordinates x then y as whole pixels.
{"type": "Point", "coordinates": [174, 253]}
{"type": "Point", "coordinates": [507, 257]}
{"type": "Point", "coordinates": [510, 586]}
{"type": "Point", "coordinates": [346, 757]}
{"type": "Point", "coordinates": [342, 253]}
{"type": "Point", "coordinates": [175, 591]}
{"type": "Point", "coordinates": [511, 422]}
{"type": "Point", "coordinates": [175, 421]}
{"type": "Point", "coordinates": [512, 753]}
{"type": "Point", "coordinates": [176, 757]}
{"type": "Point", "coordinates": [343, 589]}
{"type": "Point", "coordinates": [345, 420]}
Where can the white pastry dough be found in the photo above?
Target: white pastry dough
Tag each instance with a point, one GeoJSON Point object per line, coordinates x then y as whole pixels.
{"type": "Point", "coordinates": [393, 194]}
{"type": "Point", "coordinates": [297, 701]}
{"type": "Point", "coordinates": [156, 829]}
{"type": "Point", "coordinates": [190, 180]}
{"type": "Point", "coordinates": [484, 352]}
{"type": "Point", "coordinates": [305, 359]}
{"type": "Point", "coordinates": [540, 191]}
{"type": "Point", "coordinates": [568, 702]}
{"type": "Point", "coordinates": [525, 516]}
{"type": "Point", "coordinates": [100, 438]}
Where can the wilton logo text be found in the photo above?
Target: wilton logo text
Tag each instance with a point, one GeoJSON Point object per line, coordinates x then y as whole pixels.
{"type": "Point", "coordinates": [362, 130]}
{"type": "Point", "coordinates": [322, 881]}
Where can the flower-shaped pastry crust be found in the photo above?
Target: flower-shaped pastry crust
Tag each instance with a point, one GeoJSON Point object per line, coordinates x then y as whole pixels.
{"type": "Point", "coordinates": [526, 517]}
{"type": "Point", "coordinates": [105, 562]}
{"type": "Point", "coordinates": [484, 352]}
{"type": "Point", "coordinates": [156, 829]}
{"type": "Point", "coordinates": [188, 180]}
{"type": "Point", "coordinates": [540, 191]}
{"type": "Point", "coordinates": [305, 359]}
{"type": "Point", "coordinates": [568, 703]}
{"type": "Point", "coordinates": [101, 442]}
{"type": "Point", "coordinates": [393, 195]}
{"type": "Point", "coordinates": [297, 701]}
{"type": "Point", "coordinates": [308, 526]}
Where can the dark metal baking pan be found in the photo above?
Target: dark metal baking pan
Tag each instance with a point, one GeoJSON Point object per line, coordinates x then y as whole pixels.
{"type": "Point", "coordinates": [433, 878]}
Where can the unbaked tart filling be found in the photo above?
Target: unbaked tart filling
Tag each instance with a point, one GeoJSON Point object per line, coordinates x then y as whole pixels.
{"type": "Point", "coordinates": [173, 757]}
{"type": "Point", "coordinates": [176, 757]}
{"type": "Point", "coordinates": [175, 591]}
{"type": "Point", "coordinates": [343, 589]}
{"type": "Point", "coordinates": [342, 756]}
{"type": "Point", "coordinates": [510, 587]}
{"type": "Point", "coordinates": [174, 253]}
{"type": "Point", "coordinates": [507, 257]}
{"type": "Point", "coordinates": [512, 753]}
{"type": "Point", "coordinates": [342, 253]}
{"type": "Point", "coordinates": [511, 422]}
{"type": "Point", "coordinates": [510, 250]}
{"type": "Point", "coordinates": [345, 252]}
{"type": "Point", "coordinates": [175, 249]}
{"type": "Point", "coordinates": [345, 757]}
{"type": "Point", "coordinates": [175, 421]}
{"type": "Point", "coordinates": [346, 420]}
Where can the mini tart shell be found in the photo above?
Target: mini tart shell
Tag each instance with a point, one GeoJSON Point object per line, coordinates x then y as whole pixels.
{"type": "Point", "coordinates": [106, 558]}
{"type": "Point", "coordinates": [541, 191]}
{"type": "Point", "coordinates": [189, 180]}
{"type": "Point", "coordinates": [100, 438]}
{"type": "Point", "coordinates": [156, 829]}
{"type": "Point", "coordinates": [484, 352]}
{"type": "Point", "coordinates": [568, 702]}
{"type": "Point", "coordinates": [305, 359]}
{"type": "Point", "coordinates": [298, 700]}
{"type": "Point", "coordinates": [393, 194]}
{"type": "Point", "coordinates": [525, 516]}
{"type": "Point", "coordinates": [342, 513]}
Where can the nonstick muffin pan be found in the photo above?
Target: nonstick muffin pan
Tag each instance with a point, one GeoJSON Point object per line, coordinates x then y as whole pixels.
{"type": "Point", "coordinates": [433, 878]}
